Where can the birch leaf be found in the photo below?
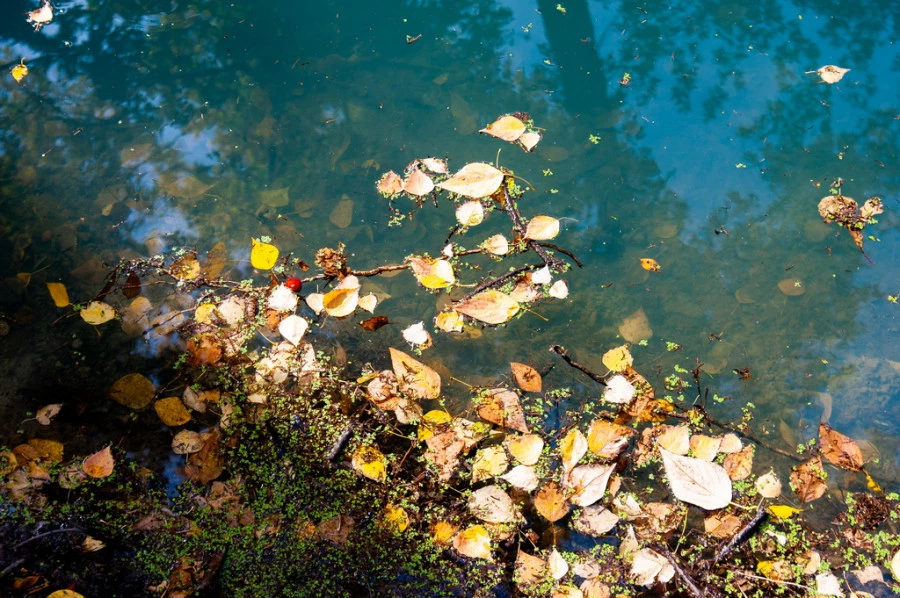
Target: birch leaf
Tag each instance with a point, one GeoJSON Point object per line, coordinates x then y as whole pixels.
{"type": "Point", "coordinates": [489, 462]}
{"type": "Point", "coordinates": [492, 504]}
{"type": "Point", "coordinates": [542, 228]}
{"type": "Point", "coordinates": [390, 183]}
{"type": "Point", "coordinates": [470, 213]}
{"type": "Point", "coordinates": [559, 290]}
{"type": "Point", "coordinates": [449, 321]}
{"type": "Point", "coordinates": [262, 255]}
{"type": "Point", "coordinates": [475, 180]}
{"type": "Point", "coordinates": [370, 462]}
{"type": "Point", "coordinates": [529, 569]}
{"type": "Point", "coordinates": [501, 407]}
{"type": "Point", "coordinates": [529, 140]}
{"type": "Point", "coordinates": [831, 74]}
{"type": "Point", "coordinates": [556, 565]}
{"type": "Point", "coordinates": [522, 477]}
{"type": "Point", "coordinates": [650, 567]}
{"type": "Point", "coordinates": [768, 485]}
{"type": "Point", "coordinates": [100, 464]}
{"type": "Point", "coordinates": [589, 483]}
{"type": "Point", "coordinates": [414, 377]}
{"type": "Point", "coordinates": [474, 542]}
{"type": "Point", "coordinates": [526, 377]}
{"type": "Point", "coordinates": [497, 245]}
{"type": "Point", "coordinates": [490, 307]}
{"type": "Point", "coordinates": [97, 312]}
{"type": "Point", "coordinates": [281, 298]}
{"type": "Point", "coordinates": [572, 448]}
{"type": "Point", "coordinates": [342, 300]}
{"type": "Point", "coordinates": [417, 335]}
{"type": "Point", "coordinates": [526, 448]}
{"type": "Point", "coordinates": [508, 128]}
{"type": "Point", "coordinates": [432, 273]}
{"type": "Point", "coordinates": [418, 184]}
{"type": "Point", "coordinates": [697, 482]}
{"type": "Point", "coordinates": [618, 359]}
{"type": "Point", "coordinates": [292, 328]}
{"type": "Point", "coordinates": [132, 390]}
{"type": "Point", "coordinates": [550, 502]}
{"type": "Point", "coordinates": [607, 440]}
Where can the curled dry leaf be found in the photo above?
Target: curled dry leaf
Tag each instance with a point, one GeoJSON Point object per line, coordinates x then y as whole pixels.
{"type": "Point", "coordinates": [768, 485]}
{"type": "Point", "coordinates": [417, 335]}
{"type": "Point", "coordinates": [282, 299]}
{"type": "Point", "coordinates": [46, 413]}
{"type": "Point", "coordinates": [550, 501]}
{"type": "Point", "coordinates": [390, 183]}
{"type": "Point", "coordinates": [501, 406]}
{"type": "Point", "coordinates": [473, 542]}
{"type": "Point", "coordinates": [542, 228]}
{"type": "Point", "coordinates": [840, 450]}
{"type": "Point", "coordinates": [830, 73]}
{"type": "Point", "coordinates": [292, 328]}
{"type": "Point", "coordinates": [475, 180]}
{"type": "Point", "coordinates": [739, 465]}
{"type": "Point", "coordinates": [526, 377]}
{"type": "Point", "coordinates": [342, 300]}
{"type": "Point", "coordinates": [507, 127]}
{"type": "Point", "coordinates": [492, 504]}
{"type": "Point", "coordinates": [414, 377]}
{"type": "Point", "coordinates": [490, 307]}
{"type": "Point", "coordinates": [418, 183]}
{"type": "Point", "coordinates": [697, 482]}
{"type": "Point", "coordinates": [650, 264]}
{"type": "Point", "coordinates": [370, 462]}
{"type": "Point", "coordinates": [808, 480]}
{"type": "Point", "coordinates": [559, 290]}
{"type": "Point", "coordinates": [100, 464]}
{"type": "Point", "coordinates": [41, 16]}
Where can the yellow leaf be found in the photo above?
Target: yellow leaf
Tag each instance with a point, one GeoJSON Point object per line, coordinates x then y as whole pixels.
{"type": "Point", "coordinates": [542, 228]}
{"type": "Point", "coordinates": [449, 321]}
{"type": "Point", "coordinates": [395, 518]}
{"type": "Point", "coordinates": [572, 448]}
{"type": "Point", "coordinates": [475, 180]}
{"type": "Point", "coordinates": [100, 464]}
{"type": "Point", "coordinates": [526, 448]}
{"type": "Point", "coordinates": [58, 293]}
{"type": "Point", "coordinates": [172, 411]}
{"type": "Point", "coordinates": [263, 255]}
{"type": "Point", "coordinates": [204, 313]}
{"type": "Point", "coordinates": [442, 532]}
{"type": "Point", "coordinates": [872, 485]}
{"type": "Point", "coordinates": [783, 511]}
{"type": "Point", "coordinates": [618, 359]}
{"type": "Point", "coordinates": [370, 462]}
{"type": "Point", "coordinates": [132, 390]}
{"type": "Point", "coordinates": [508, 128]}
{"type": "Point", "coordinates": [489, 462]}
{"type": "Point", "coordinates": [97, 312]}
{"type": "Point", "coordinates": [185, 267]}
{"type": "Point", "coordinates": [49, 450]}
{"type": "Point", "coordinates": [20, 71]}
{"type": "Point", "coordinates": [648, 263]}
{"type": "Point", "coordinates": [497, 245]}
{"type": "Point", "coordinates": [490, 307]}
{"type": "Point", "coordinates": [501, 406]}
{"type": "Point", "coordinates": [551, 503]}
{"type": "Point", "coordinates": [342, 300]}
{"type": "Point", "coordinates": [607, 440]}
{"type": "Point", "coordinates": [526, 377]}
{"type": "Point", "coordinates": [65, 594]}
{"type": "Point", "coordinates": [414, 377]}
{"type": "Point", "coordinates": [474, 542]}
{"type": "Point", "coordinates": [430, 421]}
{"type": "Point", "coordinates": [432, 273]}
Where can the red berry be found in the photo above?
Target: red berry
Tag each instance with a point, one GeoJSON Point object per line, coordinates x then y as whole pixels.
{"type": "Point", "coordinates": [294, 284]}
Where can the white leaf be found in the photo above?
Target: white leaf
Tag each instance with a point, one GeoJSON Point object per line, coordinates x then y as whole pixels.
{"type": "Point", "coordinates": [447, 251]}
{"type": "Point", "coordinates": [697, 482]}
{"type": "Point", "coordinates": [498, 245]}
{"type": "Point", "coordinates": [315, 301]}
{"type": "Point", "coordinates": [618, 390]}
{"type": "Point", "coordinates": [470, 213]}
{"type": "Point", "coordinates": [292, 328]}
{"type": "Point", "coordinates": [768, 485]}
{"type": "Point", "coordinates": [522, 477]}
{"type": "Point", "coordinates": [589, 482]}
{"type": "Point", "coordinates": [542, 276]}
{"type": "Point", "coordinates": [560, 289]}
{"type": "Point", "coordinates": [492, 504]}
{"type": "Point", "coordinates": [595, 520]}
{"type": "Point", "coordinates": [828, 585]}
{"type": "Point", "coordinates": [557, 566]}
{"type": "Point", "coordinates": [650, 567]}
{"type": "Point", "coordinates": [895, 565]}
{"type": "Point", "coordinates": [367, 302]}
{"type": "Point", "coordinates": [417, 335]}
{"type": "Point", "coordinates": [282, 299]}
{"type": "Point", "coordinates": [572, 448]}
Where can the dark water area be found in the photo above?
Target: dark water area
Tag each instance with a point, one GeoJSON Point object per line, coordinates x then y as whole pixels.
{"type": "Point", "coordinates": [692, 133]}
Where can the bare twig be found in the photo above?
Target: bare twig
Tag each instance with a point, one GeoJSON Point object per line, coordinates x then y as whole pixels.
{"type": "Point", "coordinates": [687, 580]}
{"type": "Point", "coordinates": [562, 353]}
{"type": "Point", "coordinates": [741, 536]}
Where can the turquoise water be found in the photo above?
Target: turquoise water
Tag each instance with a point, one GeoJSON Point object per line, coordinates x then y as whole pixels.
{"type": "Point", "coordinates": [711, 160]}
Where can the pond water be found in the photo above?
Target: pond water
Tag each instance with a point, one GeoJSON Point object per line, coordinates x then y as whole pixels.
{"type": "Point", "coordinates": [146, 127]}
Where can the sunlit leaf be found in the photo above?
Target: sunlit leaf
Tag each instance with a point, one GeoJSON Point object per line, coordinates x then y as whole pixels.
{"type": "Point", "coordinates": [282, 299]}
{"type": "Point", "coordinates": [431, 421]}
{"type": "Point", "coordinates": [204, 349]}
{"type": "Point", "coordinates": [473, 542]}
{"type": "Point", "coordinates": [65, 594]}
{"type": "Point", "coordinates": [497, 245]}
{"type": "Point", "coordinates": [808, 480]}
{"type": "Point", "coordinates": [705, 447]}
{"type": "Point", "coordinates": [20, 71]}
{"type": "Point", "coordinates": [449, 321]}
{"type": "Point", "coordinates": [529, 140]}
{"type": "Point", "coordinates": [550, 501]}
{"type": "Point", "coordinates": [316, 302]}
{"type": "Point", "coordinates": [100, 464]}
{"type": "Point", "coordinates": [740, 464]}
{"type": "Point", "coordinates": [783, 511]}
{"type": "Point", "coordinates": [263, 255]}
{"type": "Point", "coordinates": [648, 263]}
{"type": "Point", "coordinates": [396, 517]}
{"type": "Point", "coordinates": [649, 568]}
{"type": "Point", "coordinates": [442, 532]}
{"type": "Point", "coordinates": [489, 462]}
{"type": "Point", "coordinates": [618, 390]}
{"type": "Point", "coordinates": [418, 183]}
{"type": "Point", "coordinates": [414, 377]}
{"type": "Point", "coordinates": [588, 483]}
{"type": "Point", "coordinates": [342, 300]}
{"type": "Point", "coordinates": [58, 293]}
{"type": "Point", "coordinates": [828, 584]}
{"type": "Point", "coordinates": [542, 228]}
{"type": "Point", "coordinates": [470, 213]}
{"type": "Point", "coordinates": [839, 449]}
{"type": "Point", "coordinates": [559, 290]}
{"type": "Point", "coordinates": [370, 462]}
{"type": "Point", "coordinates": [501, 407]}
{"type": "Point", "coordinates": [46, 413]}
{"type": "Point", "coordinates": [185, 267]}
{"type": "Point", "coordinates": [390, 183]}
{"type": "Point", "coordinates": [830, 73]}
{"type": "Point", "coordinates": [618, 359]}
{"type": "Point", "coordinates": [557, 565]}
{"type": "Point", "coordinates": [205, 313]}
{"type": "Point", "coordinates": [607, 440]}
{"type": "Point", "coordinates": [508, 128]}
{"type": "Point", "coordinates": [572, 448]}
{"type": "Point", "coordinates": [292, 328]}
{"type": "Point", "coordinates": [492, 504]}
{"type": "Point", "coordinates": [526, 448]}
{"type": "Point", "coordinates": [722, 524]}
{"type": "Point", "coordinates": [895, 565]}
{"type": "Point", "coordinates": [417, 335]}
{"type": "Point", "coordinates": [97, 312]}
{"type": "Point", "coordinates": [768, 485]}
{"type": "Point", "coordinates": [368, 302]}
{"type": "Point", "coordinates": [529, 568]}
{"type": "Point", "coordinates": [595, 520]}
{"type": "Point", "coordinates": [523, 477]}
{"type": "Point", "coordinates": [475, 180]}
{"type": "Point", "coordinates": [432, 273]}
{"type": "Point", "coordinates": [541, 276]}
{"type": "Point", "coordinates": [132, 390]}
{"type": "Point", "coordinates": [490, 307]}
{"type": "Point", "coordinates": [171, 411]}
{"type": "Point", "coordinates": [697, 482]}
{"type": "Point", "coordinates": [526, 377]}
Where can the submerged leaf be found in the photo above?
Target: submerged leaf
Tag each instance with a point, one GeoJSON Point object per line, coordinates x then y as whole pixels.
{"type": "Point", "coordinates": [839, 449]}
{"type": "Point", "coordinates": [808, 480]}
{"type": "Point", "coordinates": [526, 377]}
{"type": "Point", "coordinates": [132, 390]}
{"type": "Point", "coordinates": [58, 293]}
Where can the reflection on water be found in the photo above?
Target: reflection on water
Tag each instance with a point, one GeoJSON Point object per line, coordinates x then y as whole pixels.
{"type": "Point", "coordinates": [140, 129]}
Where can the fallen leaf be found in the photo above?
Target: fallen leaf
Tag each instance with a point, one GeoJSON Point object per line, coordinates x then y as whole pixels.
{"type": "Point", "coordinates": [432, 273]}
{"type": "Point", "coordinates": [791, 287]}
{"type": "Point", "coordinates": [768, 485]}
{"type": "Point", "coordinates": [216, 260]}
{"type": "Point", "coordinates": [739, 465]}
{"type": "Point", "coordinates": [542, 228]}
{"type": "Point", "coordinates": [705, 447]}
{"type": "Point", "coordinates": [827, 584]}
{"type": "Point", "coordinates": [417, 335]}
{"type": "Point", "coordinates": [418, 183]}
{"type": "Point", "coordinates": [557, 565]}
{"type": "Point", "coordinates": [132, 390]}
{"type": "Point", "coordinates": [895, 565]}
{"type": "Point", "coordinates": [374, 323]}
{"type": "Point", "coordinates": [342, 300]}
{"type": "Point", "coordinates": [263, 255]}
{"type": "Point", "coordinates": [58, 293]}
{"type": "Point", "coordinates": [396, 518]}
{"type": "Point", "coordinates": [722, 524]}
{"type": "Point", "coordinates": [522, 477]}
{"type": "Point", "coordinates": [40, 17]}
{"type": "Point", "coordinates": [489, 462]}
{"type": "Point", "coordinates": [442, 532]}
{"type": "Point", "coordinates": [46, 413]}
{"type": "Point", "coordinates": [390, 183]}
{"type": "Point", "coordinates": [470, 213]}
{"type": "Point", "coordinates": [100, 464]}
{"type": "Point", "coordinates": [636, 327]}
{"type": "Point", "coordinates": [490, 307]}
{"type": "Point", "coordinates": [474, 180]}
{"type": "Point", "coordinates": [808, 480]}
{"type": "Point", "coordinates": [187, 442]}
{"type": "Point", "coordinates": [497, 245]}
{"type": "Point", "coordinates": [618, 390]}
{"type": "Point", "coordinates": [185, 187]}
{"type": "Point", "coordinates": [508, 128]}
{"type": "Point", "coordinates": [697, 482]}
{"type": "Point", "coordinates": [572, 448]}
{"type": "Point", "coordinates": [650, 264]}
{"type": "Point", "coordinates": [607, 440]}
{"type": "Point", "coordinates": [528, 141]}
{"type": "Point", "coordinates": [649, 568]}
{"type": "Point", "coordinates": [368, 302]}
{"type": "Point", "coordinates": [370, 462]}
{"type": "Point", "coordinates": [530, 569]}
{"type": "Point", "coordinates": [431, 422]}
{"type": "Point", "coordinates": [132, 286]}
{"type": "Point", "coordinates": [675, 439]}
{"type": "Point", "coordinates": [20, 71]}
{"type": "Point", "coordinates": [501, 407]}
{"type": "Point", "coordinates": [171, 411]}
{"type": "Point", "coordinates": [526, 448]}
{"type": "Point", "coordinates": [551, 503]}
{"type": "Point", "coordinates": [595, 520]}
{"type": "Point", "coordinates": [839, 449]}
{"type": "Point", "coordinates": [588, 483]}
{"type": "Point", "coordinates": [185, 268]}
{"type": "Point", "coordinates": [618, 359]}
{"type": "Point", "coordinates": [783, 511]}
{"type": "Point", "coordinates": [830, 73]}
{"type": "Point", "coordinates": [414, 377]}
{"type": "Point", "coordinates": [474, 542]}
{"type": "Point", "coordinates": [97, 312]}
{"type": "Point", "coordinates": [559, 290]}
{"type": "Point", "coordinates": [492, 504]}
{"type": "Point", "coordinates": [526, 377]}
{"type": "Point", "coordinates": [342, 213]}
{"type": "Point", "coordinates": [292, 328]}
{"type": "Point", "coordinates": [449, 321]}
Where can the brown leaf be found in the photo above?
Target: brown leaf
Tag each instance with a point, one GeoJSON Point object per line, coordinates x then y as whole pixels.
{"type": "Point", "coordinates": [414, 377]}
{"type": "Point", "coordinates": [390, 183]}
{"type": "Point", "coordinates": [204, 349]}
{"type": "Point", "coordinates": [550, 502]}
{"type": "Point", "coordinates": [839, 449]}
{"type": "Point", "coordinates": [526, 377]}
{"type": "Point", "coordinates": [100, 464]}
{"type": "Point", "coordinates": [607, 440]}
{"type": "Point", "coordinates": [374, 323]}
{"type": "Point", "coordinates": [132, 390]}
{"type": "Point", "coordinates": [46, 413]}
{"type": "Point", "coordinates": [132, 286]}
{"type": "Point", "coordinates": [172, 411]}
{"type": "Point", "coordinates": [185, 267]}
{"type": "Point", "coordinates": [501, 406]}
{"type": "Point", "coordinates": [740, 464]}
{"type": "Point", "coordinates": [808, 479]}
{"type": "Point", "coordinates": [418, 184]}
{"type": "Point", "coordinates": [216, 260]}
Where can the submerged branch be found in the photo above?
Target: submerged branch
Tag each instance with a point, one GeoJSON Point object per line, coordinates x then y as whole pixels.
{"type": "Point", "coordinates": [562, 353]}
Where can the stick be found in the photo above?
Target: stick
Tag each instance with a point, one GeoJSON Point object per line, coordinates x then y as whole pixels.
{"type": "Point", "coordinates": [562, 353]}
{"type": "Point", "coordinates": [742, 535]}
